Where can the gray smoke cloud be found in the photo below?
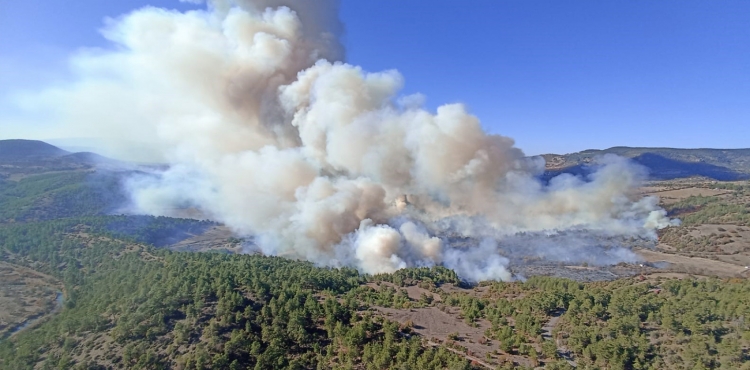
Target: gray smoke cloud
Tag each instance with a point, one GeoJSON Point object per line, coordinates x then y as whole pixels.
{"type": "Point", "coordinates": [267, 131]}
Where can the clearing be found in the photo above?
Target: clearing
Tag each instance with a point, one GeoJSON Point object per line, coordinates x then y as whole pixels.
{"type": "Point", "coordinates": [25, 296]}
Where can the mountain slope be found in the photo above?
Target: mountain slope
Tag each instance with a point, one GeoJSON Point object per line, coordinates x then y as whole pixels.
{"type": "Point", "coordinates": [29, 157]}
{"type": "Point", "coordinates": [18, 148]}
{"type": "Point", "coordinates": [663, 163]}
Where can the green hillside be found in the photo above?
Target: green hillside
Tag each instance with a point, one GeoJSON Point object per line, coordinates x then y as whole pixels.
{"type": "Point", "coordinates": [130, 303]}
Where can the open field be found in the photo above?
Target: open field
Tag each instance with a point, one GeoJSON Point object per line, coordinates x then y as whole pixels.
{"type": "Point", "coordinates": [437, 325]}
{"type": "Point", "coordinates": [444, 325]}
{"type": "Point", "coordinates": [216, 239]}
{"type": "Point", "coordinates": [25, 295]}
{"type": "Point", "coordinates": [714, 238]}
{"type": "Point", "coordinates": [674, 196]}
{"type": "Point", "coordinates": [692, 265]}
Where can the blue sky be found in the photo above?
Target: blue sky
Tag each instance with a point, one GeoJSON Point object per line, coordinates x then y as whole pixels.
{"type": "Point", "coordinates": [558, 76]}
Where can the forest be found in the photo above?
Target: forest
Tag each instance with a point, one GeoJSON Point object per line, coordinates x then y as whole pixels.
{"type": "Point", "coordinates": [129, 302]}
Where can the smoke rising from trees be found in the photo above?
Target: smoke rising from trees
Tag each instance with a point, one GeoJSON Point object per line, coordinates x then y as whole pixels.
{"type": "Point", "coordinates": [269, 132]}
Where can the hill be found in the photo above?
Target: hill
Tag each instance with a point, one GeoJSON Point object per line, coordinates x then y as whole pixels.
{"type": "Point", "coordinates": [83, 289]}
{"type": "Point", "coordinates": [25, 149]}
{"type": "Point", "coordinates": [128, 305]}
{"type": "Point", "coordinates": [663, 163]}
{"type": "Point", "coordinates": [20, 158]}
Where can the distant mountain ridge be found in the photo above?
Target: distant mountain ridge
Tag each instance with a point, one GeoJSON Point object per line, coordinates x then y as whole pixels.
{"type": "Point", "coordinates": [663, 163]}
{"type": "Point", "coordinates": [19, 156]}
{"type": "Point", "coordinates": [19, 148]}
{"type": "Point", "coordinates": [34, 156]}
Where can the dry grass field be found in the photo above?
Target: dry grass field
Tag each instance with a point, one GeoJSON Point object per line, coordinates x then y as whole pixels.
{"type": "Point", "coordinates": [714, 238]}
{"type": "Point", "coordinates": [217, 238]}
{"type": "Point", "coordinates": [674, 196]}
{"type": "Point", "coordinates": [25, 295]}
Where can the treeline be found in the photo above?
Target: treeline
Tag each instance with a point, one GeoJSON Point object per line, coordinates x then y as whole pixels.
{"type": "Point", "coordinates": [50, 243]}
{"type": "Point", "coordinates": [197, 311]}
{"type": "Point", "coordinates": [739, 187]}
{"type": "Point", "coordinates": [696, 210]}
{"type": "Point", "coordinates": [625, 324]}
{"type": "Point", "coordinates": [158, 231]}
{"type": "Point", "coordinates": [130, 305]}
{"type": "Point", "coordinates": [680, 324]}
{"type": "Point", "coordinates": [59, 195]}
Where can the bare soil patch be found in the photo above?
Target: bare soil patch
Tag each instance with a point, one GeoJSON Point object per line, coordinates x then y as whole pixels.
{"type": "Point", "coordinates": [436, 325]}
{"type": "Point", "coordinates": [692, 265]}
{"type": "Point", "coordinates": [217, 238]}
{"type": "Point", "coordinates": [656, 276]}
{"type": "Point", "coordinates": [735, 259]}
{"type": "Point", "coordinates": [674, 196]}
{"type": "Point", "coordinates": [432, 322]}
{"type": "Point", "coordinates": [477, 291]}
{"type": "Point", "coordinates": [649, 190]}
{"type": "Point", "coordinates": [709, 239]}
{"type": "Point", "coordinates": [25, 295]}
{"type": "Point", "coordinates": [416, 293]}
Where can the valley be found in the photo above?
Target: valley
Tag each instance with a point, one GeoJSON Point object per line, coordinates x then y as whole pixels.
{"type": "Point", "coordinates": [100, 290]}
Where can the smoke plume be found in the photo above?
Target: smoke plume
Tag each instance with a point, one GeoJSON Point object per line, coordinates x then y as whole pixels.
{"type": "Point", "coordinates": [269, 132]}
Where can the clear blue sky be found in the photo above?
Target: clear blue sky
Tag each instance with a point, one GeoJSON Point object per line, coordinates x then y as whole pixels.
{"type": "Point", "coordinates": [558, 76]}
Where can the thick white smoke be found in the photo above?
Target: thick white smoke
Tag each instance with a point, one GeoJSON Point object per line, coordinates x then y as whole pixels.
{"type": "Point", "coordinates": [267, 132]}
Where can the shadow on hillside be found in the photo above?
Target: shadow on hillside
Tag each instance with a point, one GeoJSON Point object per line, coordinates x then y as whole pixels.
{"type": "Point", "coordinates": [157, 231]}
{"type": "Point", "coordinates": [663, 168]}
